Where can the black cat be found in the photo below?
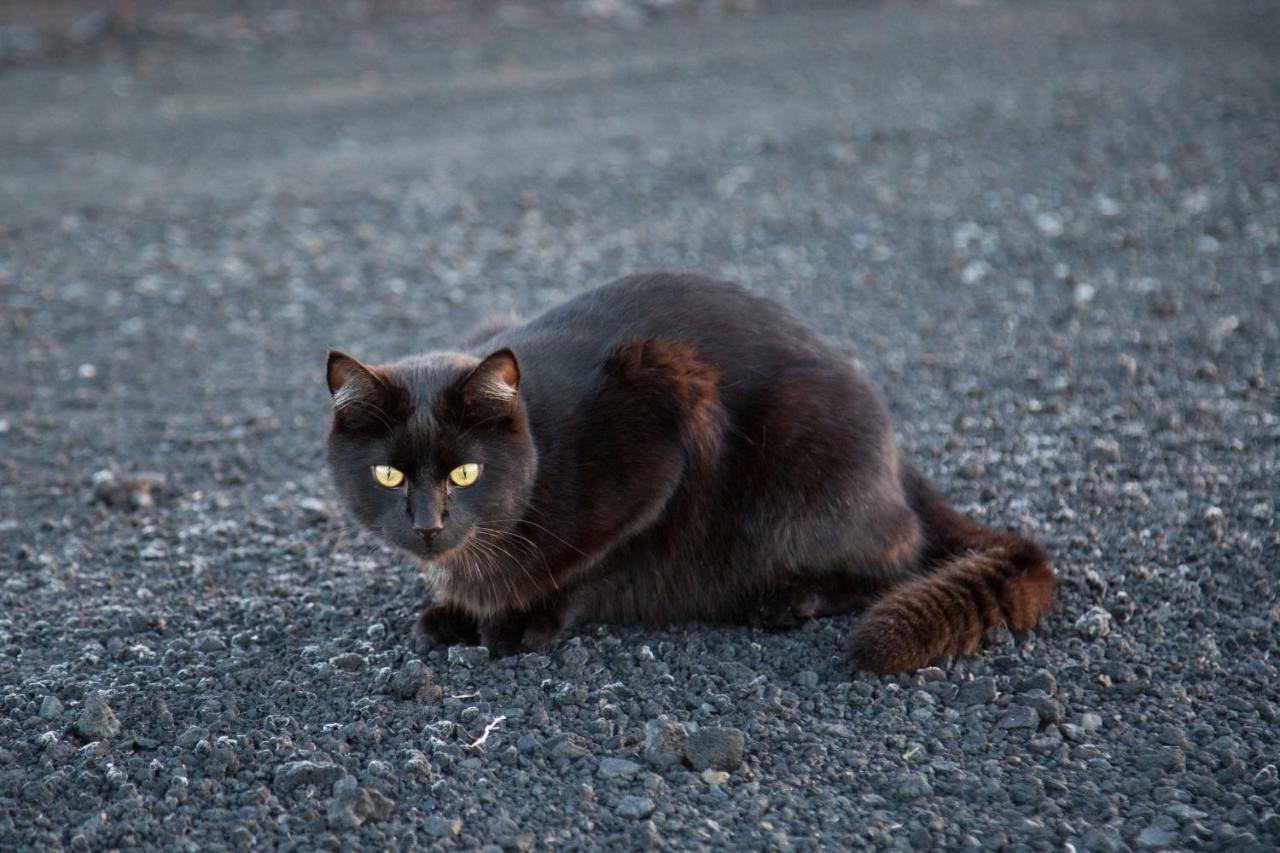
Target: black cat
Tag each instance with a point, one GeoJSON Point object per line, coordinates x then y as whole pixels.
{"type": "Point", "coordinates": [665, 448]}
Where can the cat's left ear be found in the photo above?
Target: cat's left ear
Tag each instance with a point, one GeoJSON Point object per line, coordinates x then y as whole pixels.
{"type": "Point", "coordinates": [361, 398]}
{"type": "Point", "coordinates": [344, 371]}
{"type": "Point", "coordinates": [494, 384]}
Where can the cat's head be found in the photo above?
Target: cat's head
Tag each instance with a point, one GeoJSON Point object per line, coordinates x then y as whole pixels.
{"type": "Point", "coordinates": [431, 452]}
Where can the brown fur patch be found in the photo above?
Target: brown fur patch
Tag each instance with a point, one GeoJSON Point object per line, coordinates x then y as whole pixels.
{"type": "Point", "coordinates": [951, 610]}
{"type": "Point", "coordinates": [674, 373]}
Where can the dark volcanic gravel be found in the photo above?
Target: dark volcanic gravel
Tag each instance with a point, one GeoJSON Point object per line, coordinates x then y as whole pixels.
{"type": "Point", "coordinates": [1051, 232]}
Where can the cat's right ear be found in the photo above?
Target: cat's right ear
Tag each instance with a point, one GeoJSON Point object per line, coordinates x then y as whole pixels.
{"type": "Point", "coordinates": [358, 392]}
{"type": "Point", "coordinates": [492, 388]}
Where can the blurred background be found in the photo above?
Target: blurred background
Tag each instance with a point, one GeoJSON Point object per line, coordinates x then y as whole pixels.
{"type": "Point", "coordinates": [202, 196]}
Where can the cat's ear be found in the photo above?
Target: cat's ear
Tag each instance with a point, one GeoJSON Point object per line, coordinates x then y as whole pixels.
{"type": "Point", "coordinates": [358, 392]}
{"type": "Point", "coordinates": [493, 386]}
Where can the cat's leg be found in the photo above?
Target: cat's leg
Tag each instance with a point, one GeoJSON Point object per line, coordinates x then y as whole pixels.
{"type": "Point", "coordinates": [821, 505]}
{"type": "Point", "coordinates": [446, 625]}
{"type": "Point", "coordinates": [656, 409]}
{"type": "Point", "coordinates": [526, 631]}
{"type": "Point", "coordinates": [801, 597]}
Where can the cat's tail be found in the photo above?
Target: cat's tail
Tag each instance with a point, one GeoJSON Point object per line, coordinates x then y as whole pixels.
{"type": "Point", "coordinates": [972, 579]}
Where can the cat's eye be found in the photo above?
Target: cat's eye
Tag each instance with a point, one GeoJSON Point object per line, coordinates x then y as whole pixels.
{"type": "Point", "coordinates": [387, 476]}
{"type": "Point", "coordinates": [465, 475]}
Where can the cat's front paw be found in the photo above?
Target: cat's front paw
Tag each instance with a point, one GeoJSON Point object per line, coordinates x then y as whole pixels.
{"type": "Point", "coordinates": [522, 632]}
{"type": "Point", "coordinates": [445, 625]}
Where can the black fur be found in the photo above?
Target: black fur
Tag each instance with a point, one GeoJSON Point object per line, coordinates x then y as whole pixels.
{"type": "Point", "coordinates": [662, 448]}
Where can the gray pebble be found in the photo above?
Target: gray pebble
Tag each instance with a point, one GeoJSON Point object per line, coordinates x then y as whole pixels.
{"type": "Point", "coordinates": [1094, 623]}
{"type": "Point", "coordinates": [295, 774]}
{"type": "Point", "coordinates": [314, 510]}
{"type": "Point", "coordinates": [1161, 833]}
{"type": "Point", "coordinates": [635, 807]}
{"type": "Point", "coordinates": [411, 681]}
{"type": "Point", "coordinates": [97, 720]}
{"type": "Point", "coordinates": [568, 750]}
{"type": "Point", "coordinates": [617, 768]}
{"type": "Point", "coordinates": [1020, 717]}
{"type": "Point", "coordinates": [1040, 680]}
{"type": "Point", "coordinates": [664, 743]}
{"type": "Point", "coordinates": [210, 643]}
{"type": "Point", "coordinates": [50, 707]}
{"type": "Point", "coordinates": [442, 827]}
{"type": "Point", "coordinates": [468, 655]}
{"type": "Point", "coordinates": [715, 748]}
{"type": "Point", "coordinates": [980, 691]}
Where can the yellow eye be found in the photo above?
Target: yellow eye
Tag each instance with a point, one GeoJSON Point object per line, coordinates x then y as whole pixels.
{"type": "Point", "coordinates": [388, 476]}
{"type": "Point", "coordinates": [465, 475]}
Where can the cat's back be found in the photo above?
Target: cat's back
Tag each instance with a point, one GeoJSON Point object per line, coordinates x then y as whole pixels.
{"type": "Point", "coordinates": [731, 327]}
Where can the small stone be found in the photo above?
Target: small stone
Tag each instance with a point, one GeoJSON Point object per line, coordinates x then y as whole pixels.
{"type": "Point", "coordinates": [1050, 710]}
{"type": "Point", "coordinates": [1049, 224]}
{"type": "Point", "coordinates": [468, 655]}
{"type": "Point", "coordinates": [153, 552]}
{"type": "Point", "coordinates": [1104, 450]}
{"type": "Point", "coordinates": [914, 786]}
{"type": "Point", "coordinates": [568, 750]}
{"type": "Point", "coordinates": [295, 774]}
{"type": "Point", "coordinates": [634, 807]}
{"type": "Point", "coordinates": [192, 736]}
{"type": "Point", "coordinates": [1103, 840]}
{"type": "Point", "coordinates": [348, 662]}
{"type": "Point", "coordinates": [1163, 832]}
{"type": "Point", "coordinates": [808, 678]}
{"type": "Point", "coordinates": [715, 777]}
{"type": "Point", "coordinates": [1094, 623]}
{"type": "Point", "coordinates": [97, 721]}
{"type": "Point", "coordinates": [617, 768]}
{"type": "Point", "coordinates": [1090, 721]}
{"type": "Point", "coordinates": [1041, 680]}
{"type": "Point", "coordinates": [1072, 732]}
{"type": "Point", "coordinates": [1182, 811]}
{"type": "Point", "coordinates": [975, 271]}
{"type": "Point", "coordinates": [443, 828]}
{"type": "Point", "coordinates": [210, 643]}
{"type": "Point", "coordinates": [411, 681]}
{"type": "Point", "coordinates": [664, 743]}
{"type": "Point", "coordinates": [376, 805]}
{"type": "Point", "coordinates": [127, 491]}
{"type": "Point", "coordinates": [1020, 717]}
{"type": "Point", "coordinates": [50, 707]}
{"type": "Point", "coordinates": [716, 748]}
{"type": "Point", "coordinates": [980, 691]}
{"type": "Point", "coordinates": [314, 510]}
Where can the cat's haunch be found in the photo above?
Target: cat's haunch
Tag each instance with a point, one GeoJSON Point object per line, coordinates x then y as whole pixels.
{"type": "Point", "coordinates": [665, 448]}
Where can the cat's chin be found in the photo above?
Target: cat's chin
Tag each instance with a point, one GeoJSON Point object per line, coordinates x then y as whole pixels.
{"type": "Point", "coordinates": [441, 560]}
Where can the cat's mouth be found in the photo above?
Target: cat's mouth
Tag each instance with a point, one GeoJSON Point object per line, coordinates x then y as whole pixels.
{"type": "Point", "coordinates": [441, 554]}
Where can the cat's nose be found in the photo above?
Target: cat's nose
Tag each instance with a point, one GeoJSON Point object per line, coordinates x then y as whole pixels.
{"type": "Point", "coordinates": [428, 534]}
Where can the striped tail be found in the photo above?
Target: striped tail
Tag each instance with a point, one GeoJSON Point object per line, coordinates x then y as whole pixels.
{"type": "Point", "coordinates": [973, 578]}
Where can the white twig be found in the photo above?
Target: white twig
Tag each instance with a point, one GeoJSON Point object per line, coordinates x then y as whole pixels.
{"type": "Point", "coordinates": [478, 743]}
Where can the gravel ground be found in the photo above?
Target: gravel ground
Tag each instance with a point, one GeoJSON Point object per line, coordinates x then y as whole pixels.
{"type": "Point", "coordinates": [1051, 232]}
